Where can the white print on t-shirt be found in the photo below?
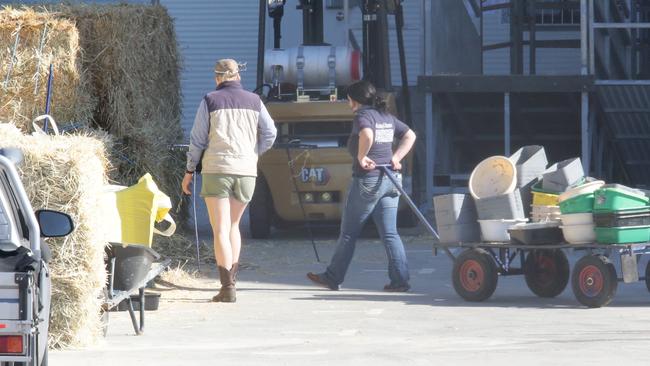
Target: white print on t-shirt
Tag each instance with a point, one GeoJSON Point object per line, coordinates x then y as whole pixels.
{"type": "Point", "coordinates": [384, 133]}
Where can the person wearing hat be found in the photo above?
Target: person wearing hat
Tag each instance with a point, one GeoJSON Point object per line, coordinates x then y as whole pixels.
{"type": "Point", "coordinates": [232, 128]}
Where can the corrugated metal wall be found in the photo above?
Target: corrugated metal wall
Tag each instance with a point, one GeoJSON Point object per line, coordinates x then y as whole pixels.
{"type": "Point", "coordinates": [208, 30]}
{"type": "Point", "coordinates": [549, 61]}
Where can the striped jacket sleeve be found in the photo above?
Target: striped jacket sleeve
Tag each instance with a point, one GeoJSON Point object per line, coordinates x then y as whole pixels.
{"type": "Point", "coordinates": [266, 131]}
{"type": "Point", "coordinates": [199, 136]}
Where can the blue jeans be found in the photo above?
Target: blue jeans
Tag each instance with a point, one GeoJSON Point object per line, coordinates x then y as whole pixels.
{"type": "Point", "coordinates": [368, 196]}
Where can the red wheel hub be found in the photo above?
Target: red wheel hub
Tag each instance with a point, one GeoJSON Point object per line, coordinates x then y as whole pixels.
{"type": "Point", "coordinates": [471, 275]}
{"type": "Point", "coordinates": [591, 281]}
{"type": "Point", "coordinates": [545, 269]}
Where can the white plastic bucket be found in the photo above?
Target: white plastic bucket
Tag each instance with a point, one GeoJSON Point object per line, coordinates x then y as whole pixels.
{"type": "Point", "coordinates": [577, 219]}
{"type": "Point", "coordinates": [494, 176]}
{"type": "Point", "coordinates": [497, 230]}
{"type": "Point", "coordinates": [579, 234]}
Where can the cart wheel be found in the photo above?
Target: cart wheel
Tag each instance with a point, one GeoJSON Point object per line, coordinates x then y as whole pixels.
{"type": "Point", "coordinates": [647, 276]}
{"type": "Point", "coordinates": [594, 281]}
{"type": "Point", "coordinates": [546, 272]}
{"type": "Point", "coordinates": [474, 275]}
{"type": "Point", "coordinates": [260, 210]}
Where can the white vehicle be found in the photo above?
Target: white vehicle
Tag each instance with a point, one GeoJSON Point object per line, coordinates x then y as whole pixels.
{"type": "Point", "coordinates": [25, 281]}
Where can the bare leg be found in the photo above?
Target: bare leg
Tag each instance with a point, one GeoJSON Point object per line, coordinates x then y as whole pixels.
{"type": "Point", "coordinates": [236, 211]}
{"type": "Point", "coordinates": [219, 212]}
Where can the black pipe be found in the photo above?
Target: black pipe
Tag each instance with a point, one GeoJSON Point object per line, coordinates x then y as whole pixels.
{"type": "Point", "coordinates": [261, 35]}
{"type": "Point", "coordinates": [277, 31]}
{"type": "Point", "coordinates": [276, 11]}
{"type": "Point", "coordinates": [406, 95]}
{"type": "Point", "coordinates": [376, 64]}
{"type": "Point", "coordinates": [312, 22]}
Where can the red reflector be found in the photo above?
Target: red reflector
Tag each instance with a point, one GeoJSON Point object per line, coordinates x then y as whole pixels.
{"type": "Point", "coordinates": [11, 344]}
{"type": "Point", "coordinates": [3, 326]}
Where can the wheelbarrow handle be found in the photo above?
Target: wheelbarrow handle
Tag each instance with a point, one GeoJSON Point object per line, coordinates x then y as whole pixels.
{"type": "Point", "coordinates": [410, 202]}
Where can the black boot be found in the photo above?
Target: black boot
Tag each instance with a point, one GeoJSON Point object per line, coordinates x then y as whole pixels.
{"type": "Point", "coordinates": [227, 292]}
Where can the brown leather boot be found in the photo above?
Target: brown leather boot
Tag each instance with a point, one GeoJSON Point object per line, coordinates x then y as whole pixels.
{"type": "Point", "coordinates": [235, 270]}
{"type": "Point", "coordinates": [227, 292]}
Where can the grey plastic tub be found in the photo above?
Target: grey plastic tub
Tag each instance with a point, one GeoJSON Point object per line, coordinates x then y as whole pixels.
{"type": "Point", "coordinates": [531, 163]}
{"type": "Point", "coordinates": [504, 207]}
{"type": "Point", "coordinates": [526, 195]}
{"type": "Point", "coordinates": [532, 155]}
{"type": "Point", "coordinates": [452, 209]}
{"type": "Point", "coordinates": [562, 175]}
{"type": "Point", "coordinates": [462, 233]}
{"type": "Point", "coordinates": [525, 175]}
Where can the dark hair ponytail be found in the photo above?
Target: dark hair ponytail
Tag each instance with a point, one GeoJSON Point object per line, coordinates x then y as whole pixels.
{"type": "Point", "coordinates": [365, 93]}
{"type": "Point", "coordinates": [380, 104]}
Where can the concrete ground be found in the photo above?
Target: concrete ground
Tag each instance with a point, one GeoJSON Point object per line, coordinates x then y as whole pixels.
{"type": "Point", "coordinates": [281, 319]}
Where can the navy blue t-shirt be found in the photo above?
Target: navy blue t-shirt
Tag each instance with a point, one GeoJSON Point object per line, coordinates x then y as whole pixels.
{"type": "Point", "coordinates": [385, 128]}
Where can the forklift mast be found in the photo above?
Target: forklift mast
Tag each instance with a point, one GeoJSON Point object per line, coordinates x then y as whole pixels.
{"type": "Point", "coordinates": [312, 22]}
{"type": "Point", "coordinates": [375, 33]}
{"type": "Point", "coordinates": [376, 59]}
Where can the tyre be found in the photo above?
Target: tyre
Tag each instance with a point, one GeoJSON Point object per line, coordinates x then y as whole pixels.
{"type": "Point", "coordinates": [104, 313]}
{"type": "Point", "coordinates": [546, 272]}
{"type": "Point", "coordinates": [594, 281]}
{"type": "Point", "coordinates": [261, 210]}
{"type": "Point", "coordinates": [105, 320]}
{"type": "Point", "coordinates": [474, 275]}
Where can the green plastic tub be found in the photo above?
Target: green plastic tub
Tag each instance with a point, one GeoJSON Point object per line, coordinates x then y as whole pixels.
{"type": "Point", "coordinates": [579, 204]}
{"type": "Point", "coordinates": [623, 235]}
{"type": "Point", "coordinates": [613, 198]}
{"type": "Point", "coordinates": [537, 187]}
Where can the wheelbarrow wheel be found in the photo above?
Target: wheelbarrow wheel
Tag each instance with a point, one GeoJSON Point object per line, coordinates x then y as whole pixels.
{"type": "Point", "coordinates": [104, 314]}
{"type": "Point", "coordinates": [546, 272]}
{"type": "Point", "coordinates": [594, 281]}
{"type": "Point", "coordinates": [474, 275]}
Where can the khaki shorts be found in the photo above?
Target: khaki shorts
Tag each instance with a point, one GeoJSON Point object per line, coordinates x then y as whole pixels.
{"type": "Point", "coordinates": [226, 185]}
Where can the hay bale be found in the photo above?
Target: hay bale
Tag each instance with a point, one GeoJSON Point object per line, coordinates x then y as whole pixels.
{"type": "Point", "coordinates": [131, 53]}
{"type": "Point", "coordinates": [67, 173]}
{"type": "Point", "coordinates": [130, 85]}
{"type": "Point", "coordinates": [29, 42]}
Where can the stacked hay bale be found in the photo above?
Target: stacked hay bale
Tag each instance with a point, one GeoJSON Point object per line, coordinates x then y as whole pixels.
{"type": "Point", "coordinates": [29, 42]}
{"type": "Point", "coordinates": [67, 173]}
{"type": "Point", "coordinates": [129, 88]}
{"type": "Point", "coordinates": [132, 57]}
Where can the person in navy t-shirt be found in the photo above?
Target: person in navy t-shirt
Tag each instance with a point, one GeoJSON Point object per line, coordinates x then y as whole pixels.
{"type": "Point", "coordinates": [371, 142]}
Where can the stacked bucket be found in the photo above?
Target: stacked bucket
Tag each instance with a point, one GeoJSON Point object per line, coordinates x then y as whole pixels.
{"type": "Point", "coordinates": [456, 218]}
{"type": "Point", "coordinates": [493, 184]}
{"type": "Point", "coordinates": [621, 215]}
{"type": "Point", "coordinates": [577, 205]}
{"type": "Point", "coordinates": [531, 163]}
{"type": "Point", "coordinates": [501, 189]}
{"type": "Point", "coordinates": [555, 180]}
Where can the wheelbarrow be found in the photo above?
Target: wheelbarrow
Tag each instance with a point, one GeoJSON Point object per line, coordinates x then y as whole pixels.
{"type": "Point", "coordinates": [130, 268]}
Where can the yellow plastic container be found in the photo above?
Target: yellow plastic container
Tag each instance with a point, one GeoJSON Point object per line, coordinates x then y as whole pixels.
{"type": "Point", "coordinates": [130, 212]}
{"type": "Point", "coordinates": [545, 199]}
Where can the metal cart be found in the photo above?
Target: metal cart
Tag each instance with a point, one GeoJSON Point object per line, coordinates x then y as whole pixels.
{"type": "Point", "coordinates": [546, 269]}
